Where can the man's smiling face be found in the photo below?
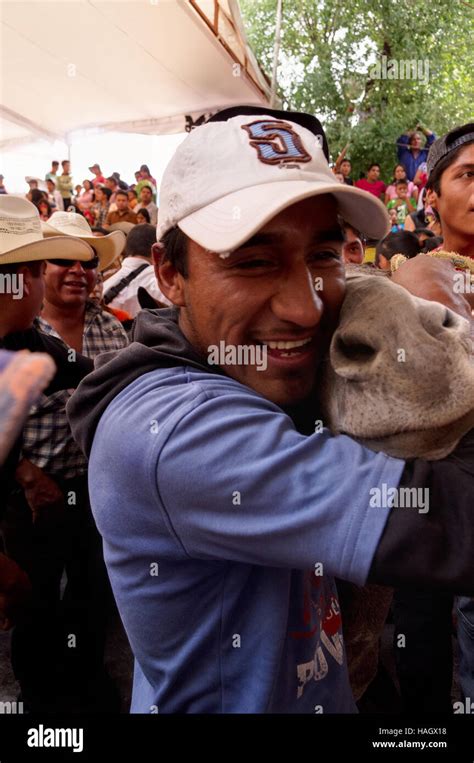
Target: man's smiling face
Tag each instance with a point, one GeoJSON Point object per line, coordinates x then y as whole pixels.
{"type": "Point", "coordinates": [283, 288]}
{"type": "Point", "coordinates": [67, 287]}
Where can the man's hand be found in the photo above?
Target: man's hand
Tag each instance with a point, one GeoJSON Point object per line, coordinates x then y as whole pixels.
{"type": "Point", "coordinates": [429, 278]}
{"type": "Point", "coordinates": [43, 495]}
{"type": "Point", "coordinates": [424, 130]}
{"type": "Point", "coordinates": [15, 589]}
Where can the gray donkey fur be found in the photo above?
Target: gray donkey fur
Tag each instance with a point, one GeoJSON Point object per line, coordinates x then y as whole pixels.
{"type": "Point", "coordinates": [400, 379]}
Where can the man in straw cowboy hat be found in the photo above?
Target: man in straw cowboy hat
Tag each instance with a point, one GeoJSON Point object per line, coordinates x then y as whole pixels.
{"type": "Point", "coordinates": [107, 248]}
{"type": "Point", "coordinates": [22, 258]}
{"type": "Point", "coordinates": [47, 525]}
{"type": "Point", "coordinates": [68, 312]}
{"type": "Point", "coordinates": [223, 570]}
{"type": "Point", "coordinates": [23, 254]}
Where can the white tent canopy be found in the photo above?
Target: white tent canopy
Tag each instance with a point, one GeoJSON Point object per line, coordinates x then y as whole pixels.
{"type": "Point", "coordinates": [138, 66]}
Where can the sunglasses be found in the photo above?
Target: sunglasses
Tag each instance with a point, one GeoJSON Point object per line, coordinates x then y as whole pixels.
{"type": "Point", "coordinates": [87, 265]}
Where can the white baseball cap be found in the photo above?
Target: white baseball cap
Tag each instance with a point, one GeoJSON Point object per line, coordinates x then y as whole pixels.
{"type": "Point", "coordinates": [228, 179]}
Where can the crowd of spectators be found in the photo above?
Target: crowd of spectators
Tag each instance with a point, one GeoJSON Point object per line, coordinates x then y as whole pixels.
{"type": "Point", "coordinates": [103, 201]}
{"type": "Point", "coordinates": [84, 290]}
{"type": "Point", "coordinates": [404, 193]}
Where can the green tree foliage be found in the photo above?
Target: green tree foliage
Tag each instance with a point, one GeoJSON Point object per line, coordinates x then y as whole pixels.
{"type": "Point", "coordinates": [326, 67]}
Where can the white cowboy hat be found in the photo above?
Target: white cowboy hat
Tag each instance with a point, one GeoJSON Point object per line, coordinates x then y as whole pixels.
{"type": "Point", "coordinates": [107, 247]}
{"type": "Point", "coordinates": [21, 239]}
{"type": "Point", "coordinates": [124, 227]}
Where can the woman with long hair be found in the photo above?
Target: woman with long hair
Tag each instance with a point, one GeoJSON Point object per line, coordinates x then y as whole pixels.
{"type": "Point", "coordinates": [86, 197]}
{"type": "Point", "coordinates": [399, 173]}
{"type": "Point", "coordinates": [44, 208]}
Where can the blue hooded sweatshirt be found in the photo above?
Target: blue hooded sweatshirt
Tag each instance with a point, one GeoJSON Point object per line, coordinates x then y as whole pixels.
{"type": "Point", "coordinates": [223, 530]}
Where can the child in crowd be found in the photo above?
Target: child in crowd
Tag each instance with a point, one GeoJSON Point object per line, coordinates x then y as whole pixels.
{"type": "Point", "coordinates": [402, 204]}
{"type": "Point", "coordinates": [394, 226]}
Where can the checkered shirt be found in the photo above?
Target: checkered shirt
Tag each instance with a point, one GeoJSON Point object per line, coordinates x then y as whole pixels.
{"type": "Point", "coordinates": [47, 438]}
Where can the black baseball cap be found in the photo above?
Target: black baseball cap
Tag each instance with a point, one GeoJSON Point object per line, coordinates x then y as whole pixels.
{"type": "Point", "coordinates": [447, 143]}
{"type": "Point", "coordinates": [308, 121]}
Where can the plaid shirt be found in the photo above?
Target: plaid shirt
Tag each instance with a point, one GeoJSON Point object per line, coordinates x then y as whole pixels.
{"type": "Point", "coordinates": [100, 213]}
{"type": "Point", "coordinates": [47, 438]}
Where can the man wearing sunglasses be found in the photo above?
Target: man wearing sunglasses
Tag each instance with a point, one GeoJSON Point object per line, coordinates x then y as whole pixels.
{"type": "Point", "coordinates": [69, 314]}
{"type": "Point", "coordinates": [32, 500]}
{"type": "Point", "coordinates": [89, 265]}
{"type": "Point", "coordinates": [47, 524]}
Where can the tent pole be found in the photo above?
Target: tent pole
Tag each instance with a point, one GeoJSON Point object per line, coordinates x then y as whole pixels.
{"type": "Point", "coordinates": [68, 144]}
{"type": "Point", "coordinates": [276, 51]}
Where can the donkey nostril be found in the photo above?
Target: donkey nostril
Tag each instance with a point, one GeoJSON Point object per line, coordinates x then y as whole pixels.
{"type": "Point", "coordinates": [449, 320]}
{"type": "Point", "coordinates": [355, 350]}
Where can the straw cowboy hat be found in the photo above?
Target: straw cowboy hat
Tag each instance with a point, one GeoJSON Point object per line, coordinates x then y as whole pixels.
{"type": "Point", "coordinates": [107, 247]}
{"type": "Point", "coordinates": [124, 227]}
{"type": "Point", "coordinates": [21, 239]}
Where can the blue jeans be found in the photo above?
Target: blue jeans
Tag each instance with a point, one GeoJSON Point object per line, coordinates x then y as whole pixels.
{"type": "Point", "coordinates": [465, 613]}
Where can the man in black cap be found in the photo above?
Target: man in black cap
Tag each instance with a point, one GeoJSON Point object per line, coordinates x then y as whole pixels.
{"type": "Point", "coordinates": [451, 192]}
{"type": "Point", "coordinates": [424, 665]}
{"type": "Point", "coordinates": [99, 179]}
{"type": "Point", "coordinates": [451, 187]}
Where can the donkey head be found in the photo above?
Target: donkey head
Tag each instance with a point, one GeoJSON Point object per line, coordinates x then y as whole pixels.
{"type": "Point", "coordinates": [400, 372]}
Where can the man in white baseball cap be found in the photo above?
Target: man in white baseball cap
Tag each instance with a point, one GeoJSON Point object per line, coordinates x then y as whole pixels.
{"type": "Point", "coordinates": [242, 514]}
{"type": "Point", "coordinates": [259, 167]}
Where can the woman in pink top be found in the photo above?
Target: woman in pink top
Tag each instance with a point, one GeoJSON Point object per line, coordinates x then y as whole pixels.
{"type": "Point", "coordinates": [399, 173]}
{"type": "Point", "coordinates": [146, 174]}
{"type": "Point", "coordinates": [87, 196]}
